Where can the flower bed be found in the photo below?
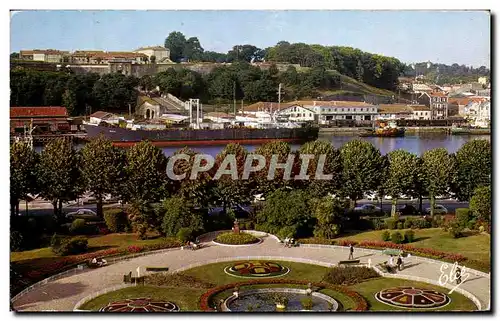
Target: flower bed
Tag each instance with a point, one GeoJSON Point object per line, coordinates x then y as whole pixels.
{"type": "Point", "coordinates": [360, 302]}
{"type": "Point", "coordinates": [236, 239]}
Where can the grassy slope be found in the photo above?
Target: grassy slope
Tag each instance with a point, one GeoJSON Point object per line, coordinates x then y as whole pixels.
{"type": "Point", "coordinates": [475, 247]}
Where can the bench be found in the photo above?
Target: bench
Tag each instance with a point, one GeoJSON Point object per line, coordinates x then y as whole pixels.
{"type": "Point", "coordinates": [348, 262]}
{"type": "Point", "coordinates": [156, 269]}
{"type": "Point", "coordinates": [128, 278]}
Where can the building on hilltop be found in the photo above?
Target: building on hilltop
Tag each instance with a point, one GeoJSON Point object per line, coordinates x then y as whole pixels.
{"type": "Point", "coordinates": [161, 54]}
{"type": "Point", "coordinates": [47, 55]}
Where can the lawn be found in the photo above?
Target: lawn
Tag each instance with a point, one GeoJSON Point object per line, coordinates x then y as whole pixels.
{"type": "Point", "coordinates": [96, 243]}
{"type": "Point", "coordinates": [188, 298]}
{"type": "Point", "coordinates": [369, 288]}
{"type": "Point", "coordinates": [474, 247]}
{"type": "Point", "coordinates": [215, 274]}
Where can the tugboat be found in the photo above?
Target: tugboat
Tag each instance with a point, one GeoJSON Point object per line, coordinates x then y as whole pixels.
{"type": "Point", "coordinates": [384, 129]}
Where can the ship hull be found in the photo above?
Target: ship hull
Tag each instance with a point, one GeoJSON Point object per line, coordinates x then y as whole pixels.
{"type": "Point", "coordinates": [384, 133]}
{"type": "Point", "coordinates": [164, 138]}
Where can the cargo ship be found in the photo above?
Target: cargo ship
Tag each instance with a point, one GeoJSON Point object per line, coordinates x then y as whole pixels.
{"type": "Point", "coordinates": [389, 129]}
{"type": "Point", "coordinates": [124, 137]}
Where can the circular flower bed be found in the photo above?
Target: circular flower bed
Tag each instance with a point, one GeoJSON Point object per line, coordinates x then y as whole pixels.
{"type": "Point", "coordinates": [412, 297]}
{"type": "Point", "coordinates": [359, 300]}
{"type": "Point", "coordinates": [140, 305]}
{"type": "Point", "coordinates": [251, 269]}
{"type": "Point", "coordinates": [236, 239]}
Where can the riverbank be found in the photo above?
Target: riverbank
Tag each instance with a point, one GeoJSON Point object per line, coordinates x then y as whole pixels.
{"type": "Point", "coordinates": [444, 130]}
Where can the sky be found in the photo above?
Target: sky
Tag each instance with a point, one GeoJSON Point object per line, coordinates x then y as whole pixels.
{"type": "Point", "coordinates": [447, 37]}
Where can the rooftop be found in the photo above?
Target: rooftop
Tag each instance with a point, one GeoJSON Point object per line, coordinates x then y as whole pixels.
{"type": "Point", "coordinates": [152, 48]}
{"type": "Point", "coordinates": [19, 112]}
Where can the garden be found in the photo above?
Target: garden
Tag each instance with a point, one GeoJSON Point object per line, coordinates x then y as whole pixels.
{"type": "Point", "coordinates": [277, 286]}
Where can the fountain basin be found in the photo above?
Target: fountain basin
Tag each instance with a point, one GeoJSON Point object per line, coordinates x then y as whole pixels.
{"type": "Point", "coordinates": [256, 300]}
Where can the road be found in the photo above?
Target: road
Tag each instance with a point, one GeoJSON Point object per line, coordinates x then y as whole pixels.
{"type": "Point", "coordinates": [450, 204]}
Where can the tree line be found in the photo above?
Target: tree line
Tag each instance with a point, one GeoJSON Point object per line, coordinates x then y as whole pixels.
{"type": "Point", "coordinates": [138, 176]}
{"type": "Point", "coordinates": [84, 93]}
{"type": "Point", "coordinates": [375, 70]}
{"type": "Point", "coordinates": [79, 93]}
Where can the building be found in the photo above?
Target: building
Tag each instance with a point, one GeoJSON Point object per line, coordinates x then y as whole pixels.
{"type": "Point", "coordinates": [437, 102]}
{"type": "Point", "coordinates": [153, 106]}
{"type": "Point", "coordinates": [219, 117]}
{"type": "Point", "coordinates": [482, 80]}
{"type": "Point", "coordinates": [161, 54]}
{"type": "Point", "coordinates": [341, 110]}
{"type": "Point", "coordinates": [295, 113]}
{"type": "Point", "coordinates": [46, 119]}
{"type": "Point", "coordinates": [479, 112]}
{"type": "Point", "coordinates": [102, 116]}
{"type": "Point", "coordinates": [394, 111]}
{"type": "Point", "coordinates": [48, 55]}
{"type": "Point", "coordinates": [421, 112]}
{"type": "Point", "coordinates": [421, 88]}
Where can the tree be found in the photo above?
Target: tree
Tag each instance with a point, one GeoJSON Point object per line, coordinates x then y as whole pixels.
{"type": "Point", "coordinates": [59, 174]}
{"type": "Point", "coordinates": [281, 151]}
{"type": "Point", "coordinates": [178, 213]}
{"type": "Point", "coordinates": [229, 190]}
{"type": "Point", "coordinates": [175, 42]}
{"type": "Point", "coordinates": [331, 166]}
{"type": "Point", "coordinates": [439, 169]}
{"type": "Point", "coordinates": [197, 190]}
{"type": "Point", "coordinates": [22, 174]}
{"type": "Point", "coordinates": [473, 162]}
{"type": "Point", "coordinates": [14, 55]}
{"type": "Point", "coordinates": [115, 90]}
{"type": "Point", "coordinates": [193, 50]}
{"type": "Point", "coordinates": [361, 164]}
{"type": "Point", "coordinates": [328, 213]}
{"type": "Point", "coordinates": [146, 83]}
{"type": "Point", "coordinates": [152, 59]}
{"type": "Point", "coordinates": [69, 101]}
{"type": "Point", "coordinates": [102, 168]}
{"type": "Point", "coordinates": [284, 208]}
{"type": "Point", "coordinates": [146, 174]}
{"type": "Point", "coordinates": [402, 174]}
{"type": "Point", "coordinates": [246, 53]}
{"type": "Point", "coordinates": [480, 203]}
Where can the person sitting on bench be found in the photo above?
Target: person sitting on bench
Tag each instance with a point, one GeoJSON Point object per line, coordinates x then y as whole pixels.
{"type": "Point", "coordinates": [286, 241]}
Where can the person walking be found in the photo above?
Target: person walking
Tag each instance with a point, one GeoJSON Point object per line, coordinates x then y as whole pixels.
{"type": "Point", "coordinates": [399, 262]}
{"type": "Point", "coordinates": [458, 275]}
{"type": "Point", "coordinates": [351, 252]}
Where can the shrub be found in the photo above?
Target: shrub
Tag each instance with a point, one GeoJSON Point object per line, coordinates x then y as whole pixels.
{"type": "Point", "coordinates": [16, 241]}
{"type": "Point", "coordinates": [378, 224]}
{"type": "Point", "coordinates": [409, 222]}
{"type": "Point", "coordinates": [386, 236]}
{"type": "Point", "coordinates": [184, 234]}
{"type": "Point", "coordinates": [307, 303]}
{"type": "Point", "coordinates": [391, 223]}
{"type": "Point", "coordinates": [480, 203]}
{"type": "Point", "coordinates": [349, 275]}
{"type": "Point", "coordinates": [177, 280]}
{"type": "Point", "coordinates": [397, 238]}
{"type": "Point", "coordinates": [462, 217]}
{"type": "Point", "coordinates": [236, 239]}
{"type": "Point", "coordinates": [400, 225]}
{"type": "Point", "coordinates": [250, 225]}
{"type": "Point", "coordinates": [409, 236]}
{"type": "Point", "coordinates": [78, 226]}
{"type": "Point", "coordinates": [116, 220]}
{"type": "Point", "coordinates": [287, 231]}
{"type": "Point", "coordinates": [437, 221]}
{"type": "Point", "coordinates": [75, 245]}
{"type": "Point", "coordinates": [455, 229]}
{"type": "Point", "coordinates": [472, 224]}
{"type": "Point", "coordinates": [243, 226]}
{"type": "Point", "coordinates": [422, 223]}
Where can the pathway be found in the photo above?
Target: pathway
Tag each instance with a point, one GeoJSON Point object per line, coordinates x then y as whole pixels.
{"type": "Point", "coordinates": [63, 294]}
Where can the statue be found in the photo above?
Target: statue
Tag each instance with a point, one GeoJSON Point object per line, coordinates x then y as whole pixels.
{"type": "Point", "coordinates": [236, 228]}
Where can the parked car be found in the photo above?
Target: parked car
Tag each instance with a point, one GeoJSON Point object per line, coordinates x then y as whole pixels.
{"type": "Point", "coordinates": [367, 209]}
{"type": "Point", "coordinates": [371, 196]}
{"type": "Point", "coordinates": [82, 213]}
{"type": "Point", "coordinates": [438, 209]}
{"type": "Point", "coordinates": [408, 209]}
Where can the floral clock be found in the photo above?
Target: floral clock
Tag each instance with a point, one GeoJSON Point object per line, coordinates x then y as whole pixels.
{"type": "Point", "coordinates": [412, 297]}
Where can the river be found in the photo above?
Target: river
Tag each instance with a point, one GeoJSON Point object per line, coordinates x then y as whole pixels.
{"type": "Point", "coordinates": [416, 144]}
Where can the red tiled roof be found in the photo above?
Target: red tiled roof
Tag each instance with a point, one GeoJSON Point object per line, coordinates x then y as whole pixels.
{"type": "Point", "coordinates": [101, 114]}
{"type": "Point", "coordinates": [18, 112]}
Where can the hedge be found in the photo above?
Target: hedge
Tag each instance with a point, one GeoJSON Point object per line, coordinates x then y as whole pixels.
{"type": "Point", "coordinates": [349, 275]}
{"type": "Point", "coordinates": [360, 302]}
{"type": "Point", "coordinates": [116, 220]}
{"type": "Point", "coordinates": [236, 239]}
